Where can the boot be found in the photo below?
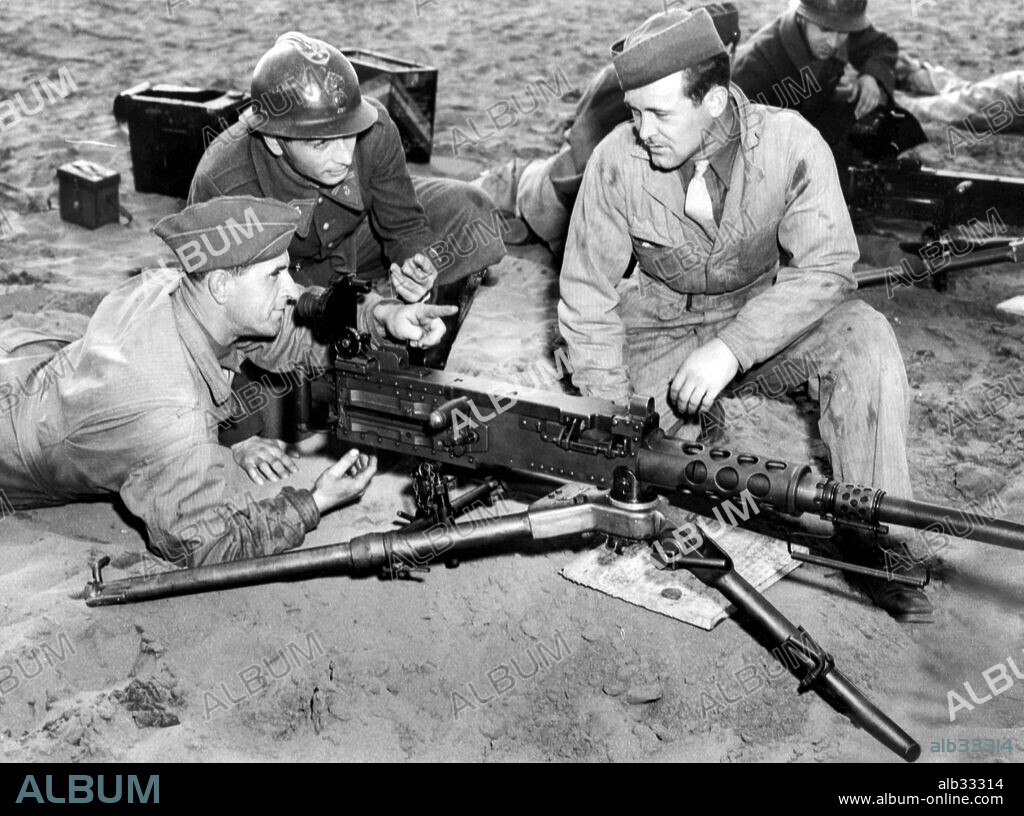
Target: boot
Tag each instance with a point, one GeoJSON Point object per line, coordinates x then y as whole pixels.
{"type": "Point", "coordinates": [907, 604]}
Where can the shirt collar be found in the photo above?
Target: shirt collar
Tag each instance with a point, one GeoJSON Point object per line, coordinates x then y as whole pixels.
{"type": "Point", "coordinates": [749, 120]}
{"type": "Point", "coordinates": [209, 355]}
{"type": "Point", "coordinates": [720, 162]}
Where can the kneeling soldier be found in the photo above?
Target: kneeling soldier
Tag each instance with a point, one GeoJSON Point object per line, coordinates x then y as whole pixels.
{"type": "Point", "coordinates": [744, 253]}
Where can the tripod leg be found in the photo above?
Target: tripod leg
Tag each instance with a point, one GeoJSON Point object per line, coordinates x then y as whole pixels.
{"type": "Point", "coordinates": [814, 667]}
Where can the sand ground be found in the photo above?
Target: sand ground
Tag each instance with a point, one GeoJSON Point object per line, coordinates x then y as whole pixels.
{"type": "Point", "coordinates": [369, 670]}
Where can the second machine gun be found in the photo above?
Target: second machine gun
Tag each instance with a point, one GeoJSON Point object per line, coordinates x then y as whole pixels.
{"type": "Point", "coordinates": [882, 184]}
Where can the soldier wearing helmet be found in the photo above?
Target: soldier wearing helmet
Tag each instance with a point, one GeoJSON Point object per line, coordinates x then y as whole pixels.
{"type": "Point", "coordinates": [798, 60]}
{"type": "Point", "coordinates": [311, 139]}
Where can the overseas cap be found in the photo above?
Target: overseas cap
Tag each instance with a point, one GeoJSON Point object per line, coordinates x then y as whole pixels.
{"type": "Point", "coordinates": [664, 44]}
{"type": "Point", "coordinates": [838, 15]}
{"type": "Point", "coordinates": [228, 231]}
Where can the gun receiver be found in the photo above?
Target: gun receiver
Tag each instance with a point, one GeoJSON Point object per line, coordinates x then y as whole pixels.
{"type": "Point", "coordinates": [384, 402]}
{"type": "Point", "coordinates": [903, 188]}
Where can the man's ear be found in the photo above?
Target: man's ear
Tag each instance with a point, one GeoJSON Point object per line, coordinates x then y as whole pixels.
{"type": "Point", "coordinates": [274, 146]}
{"type": "Point", "coordinates": [717, 100]}
{"type": "Point", "coordinates": [218, 284]}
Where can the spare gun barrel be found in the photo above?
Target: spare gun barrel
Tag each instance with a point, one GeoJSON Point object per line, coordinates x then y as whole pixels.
{"type": "Point", "coordinates": [1011, 251]}
{"type": "Point", "coordinates": [367, 553]}
{"type": "Point", "coordinates": [399, 553]}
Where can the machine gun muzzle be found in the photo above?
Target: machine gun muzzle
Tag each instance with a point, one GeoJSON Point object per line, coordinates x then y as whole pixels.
{"type": "Point", "coordinates": [670, 464]}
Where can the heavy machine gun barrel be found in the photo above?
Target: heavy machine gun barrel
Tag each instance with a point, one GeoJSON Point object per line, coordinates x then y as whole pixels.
{"type": "Point", "coordinates": [669, 464]}
{"type": "Point", "coordinates": [490, 426]}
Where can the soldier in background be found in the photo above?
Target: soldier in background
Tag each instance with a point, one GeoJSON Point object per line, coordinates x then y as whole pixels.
{"type": "Point", "coordinates": [798, 60]}
{"type": "Point", "coordinates": [312, 140]}
{"type": "Point", "coordinates": [542, 192]}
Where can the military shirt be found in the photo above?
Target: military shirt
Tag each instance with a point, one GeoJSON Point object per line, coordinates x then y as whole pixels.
{"type": "Point", "coordinates": [133, 407]}
{"type": "Point", "coordinates": [378, 186]}
{"type": "Point", "coordinates": [782, 257]}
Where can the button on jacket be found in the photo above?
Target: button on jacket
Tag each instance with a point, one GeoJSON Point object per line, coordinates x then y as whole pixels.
{"type": "Point", "coordinates": [132, 408]}
{"type": "Point", "coordinates": [378, 186]}
{"type": "Point", "coordinates": [784, 204]}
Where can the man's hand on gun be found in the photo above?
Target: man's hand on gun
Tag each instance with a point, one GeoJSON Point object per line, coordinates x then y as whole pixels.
{"type": "Point", "coordinates": [413, 280]}
{"type": "Point", "coordinates": [868, 94]}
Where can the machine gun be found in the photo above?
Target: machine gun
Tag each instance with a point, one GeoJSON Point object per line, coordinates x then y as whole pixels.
{"type": "Point", "coordinates": [882, 184]}
{"type": "Point", "coordinates": [618, 452]}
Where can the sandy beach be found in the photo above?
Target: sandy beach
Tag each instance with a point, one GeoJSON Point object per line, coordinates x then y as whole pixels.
{"type": "Point", "coordinates": [336, 669]}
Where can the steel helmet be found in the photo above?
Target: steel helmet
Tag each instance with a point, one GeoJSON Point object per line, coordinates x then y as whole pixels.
{"type": "Point", "coordinates": [303, 88]}
{"type": "Point", "coordinates": [846, 16]}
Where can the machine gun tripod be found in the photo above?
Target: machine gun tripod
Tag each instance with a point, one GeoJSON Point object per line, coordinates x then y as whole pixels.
{"type": "Point", "coordinates": [617, 452]}
{"type": "Point", "coordinates": [624, 513]}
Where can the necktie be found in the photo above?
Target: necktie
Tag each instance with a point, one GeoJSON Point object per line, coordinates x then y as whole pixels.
{"type": "Point", "coordinates": [698, 200]}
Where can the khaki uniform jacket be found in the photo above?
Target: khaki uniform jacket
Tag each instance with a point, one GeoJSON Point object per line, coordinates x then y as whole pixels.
{"type": "Point", "coordinates": [133, 408]}
{"type": "Point", "coordinates": [781, 257]}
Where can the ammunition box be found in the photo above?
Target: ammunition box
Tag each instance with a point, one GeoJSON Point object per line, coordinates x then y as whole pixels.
{"type": "Point", "coordinates": [409, 93]}
{"type": "Point", "coordinates": [169, 127]}
{"type": "Point", "coordinates": [89, 194]}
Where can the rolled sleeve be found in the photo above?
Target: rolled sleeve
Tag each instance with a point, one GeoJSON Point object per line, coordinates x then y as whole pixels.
{"type": "Point", "coordinates": [815, 231]}
{"type": "Point", "coordinates": [597, 254]}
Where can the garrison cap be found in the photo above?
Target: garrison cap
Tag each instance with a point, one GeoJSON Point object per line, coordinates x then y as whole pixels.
{"type": "Point", "coordinates": [229, 231]}
{"type": "Point", "coordinates": [664, 44]}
